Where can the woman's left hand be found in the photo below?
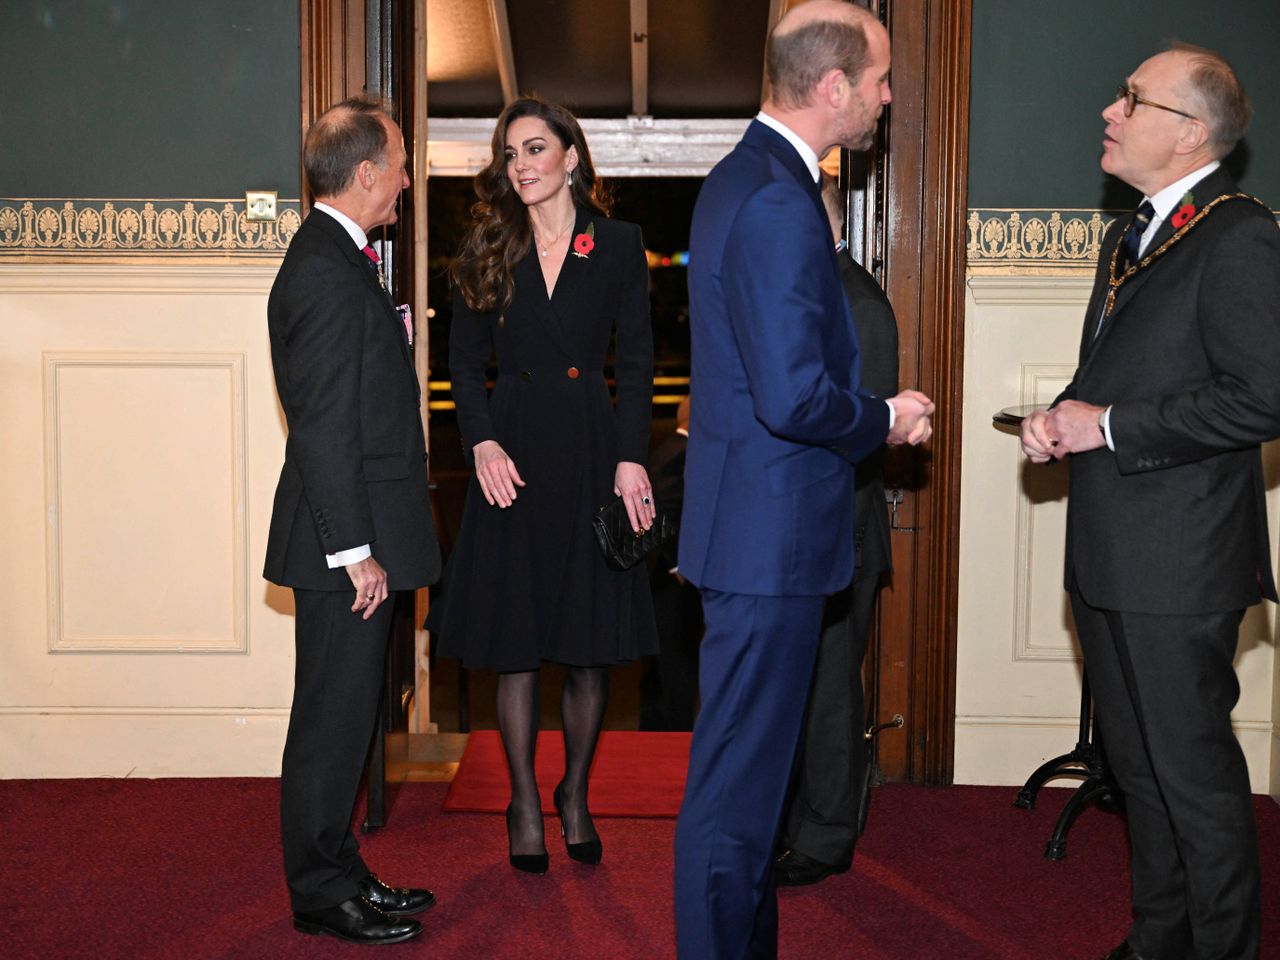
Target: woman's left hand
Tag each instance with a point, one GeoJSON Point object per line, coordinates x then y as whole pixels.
{"type": "Point", "coordinates": [631, 483]}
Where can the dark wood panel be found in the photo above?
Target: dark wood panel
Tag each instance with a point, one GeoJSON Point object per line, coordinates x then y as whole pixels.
{"type": "Point", "coordinates": [924, 177]}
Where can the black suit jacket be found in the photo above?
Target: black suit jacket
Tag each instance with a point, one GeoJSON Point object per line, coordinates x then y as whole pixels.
{"type": "Point", "coordinates": [878, 351]}
{"type": "Point", "coordinates": [355, 466]}
{"type": "Point", "coordinates": [1174, 521]}
{"type": "Point", "coordinates": [666, 474]}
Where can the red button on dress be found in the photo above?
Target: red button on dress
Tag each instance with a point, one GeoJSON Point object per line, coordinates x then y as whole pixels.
{"type": "Point", "coordinates": [572, 373]}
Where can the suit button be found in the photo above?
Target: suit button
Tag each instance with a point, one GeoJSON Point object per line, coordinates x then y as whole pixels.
{"type": "Point", "coordinates": [572, 373]}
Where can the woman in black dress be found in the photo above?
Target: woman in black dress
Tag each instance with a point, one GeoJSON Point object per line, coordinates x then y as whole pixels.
{"type": "Point", "coordinates": [543, 280]}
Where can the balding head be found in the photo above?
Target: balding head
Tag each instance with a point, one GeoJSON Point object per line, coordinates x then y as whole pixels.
{"type": "Point", "coordinates": [340, 138]}
{"type": "Point", "coordinates": [810, 41]}
{"type": "Point", "coordinates": [1218, 98]}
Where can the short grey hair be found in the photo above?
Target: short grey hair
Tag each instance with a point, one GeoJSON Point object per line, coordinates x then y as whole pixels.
{"type": "Point", "coordinates": [341, 138]}
{"type": "Point", "coordinates": [1224, 107]}
{"type": "Point", "coordinates": [796, 60]}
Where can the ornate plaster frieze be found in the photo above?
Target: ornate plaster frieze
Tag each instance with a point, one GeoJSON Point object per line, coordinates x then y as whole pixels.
{"type": "Point", "coordinates": [1036, 240]}
{"type": "Point", "coordinates": [75, 228]}
{"type": "Point", "coordinates": [1018, 240]}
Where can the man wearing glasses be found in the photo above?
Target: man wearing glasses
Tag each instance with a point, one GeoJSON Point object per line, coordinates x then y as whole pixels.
{"type": "Point", "coordinates": [1167, 539]}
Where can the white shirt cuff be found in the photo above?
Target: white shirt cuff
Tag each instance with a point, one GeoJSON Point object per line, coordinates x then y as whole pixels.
{"type": "Point", "coordinates": [893, 414]}
{"type": "Point", "coordinates": [1106, 429]}
{"type": "Point", "coordinates": [345, 557]}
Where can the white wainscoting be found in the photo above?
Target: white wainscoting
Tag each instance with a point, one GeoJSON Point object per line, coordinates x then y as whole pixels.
{"type": "Point", "coordinates": [142, 440]}
{"type": "Point", "coordinates": [1017, 663]}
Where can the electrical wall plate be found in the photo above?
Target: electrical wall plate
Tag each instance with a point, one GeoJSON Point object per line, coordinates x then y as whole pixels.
{"type": "Point", "coordinates": [260, 204]}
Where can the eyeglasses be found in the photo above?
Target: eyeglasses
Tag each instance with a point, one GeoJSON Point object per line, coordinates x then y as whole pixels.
{"type": "Point", "coordinates": [1131, 101]}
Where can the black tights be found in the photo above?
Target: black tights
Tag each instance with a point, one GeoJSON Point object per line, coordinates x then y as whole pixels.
{"type": "Point", "coordinates": [582, 704]}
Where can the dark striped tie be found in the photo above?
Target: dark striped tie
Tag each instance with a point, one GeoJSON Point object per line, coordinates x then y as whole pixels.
{"type": "Point", "coordinates": [1133, 236]}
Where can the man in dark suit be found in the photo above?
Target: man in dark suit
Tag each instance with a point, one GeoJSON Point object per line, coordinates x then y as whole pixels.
{"type": "Point", "coordinates": [779, 419]}
{"type": "Point", "coordinates": [351, 522]}
{"type": "Point", "coordinates": [824, 811]}
{"type": "Point", "coordinates": [1166, 524]}
{"type": "Point", "coordinates": [669, 688]}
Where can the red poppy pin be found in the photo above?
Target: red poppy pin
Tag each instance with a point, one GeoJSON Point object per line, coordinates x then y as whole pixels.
{"type": "Point", "coordinates": [585, 242]}
{"type": "Point", "coordinates": [1184, 212]}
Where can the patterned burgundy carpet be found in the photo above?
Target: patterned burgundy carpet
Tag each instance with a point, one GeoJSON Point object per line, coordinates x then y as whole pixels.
{"type": "Point", "coordinates": [142, 869]}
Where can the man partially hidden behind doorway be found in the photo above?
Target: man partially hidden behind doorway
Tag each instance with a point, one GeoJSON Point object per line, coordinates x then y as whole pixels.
{"type": "Point", "coordinates": [825, 806]}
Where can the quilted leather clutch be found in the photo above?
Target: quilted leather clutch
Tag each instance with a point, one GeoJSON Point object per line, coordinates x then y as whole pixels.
{"type": "Point", "coordinates": [621, 546]}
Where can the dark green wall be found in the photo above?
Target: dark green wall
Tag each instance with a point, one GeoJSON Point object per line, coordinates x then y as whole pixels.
{"type": "Point", "coordinates": [1043, 71]}
{"type": "Point", "coordinates": [148, 98]}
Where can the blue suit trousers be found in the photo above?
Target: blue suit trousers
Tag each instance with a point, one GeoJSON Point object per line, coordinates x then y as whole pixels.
{"type": "Point", "coordinates": [757, 661]}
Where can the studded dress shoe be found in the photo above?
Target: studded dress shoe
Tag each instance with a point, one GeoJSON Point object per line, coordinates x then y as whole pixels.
{"type": "Point", "coordinates": [794, 869]}
{"type": "Point", "coordinates": [395, 901]}
{"type": "Point", "coordinates": [356, 921]}
{"type": "Point", "coordinates": [1124, 952]}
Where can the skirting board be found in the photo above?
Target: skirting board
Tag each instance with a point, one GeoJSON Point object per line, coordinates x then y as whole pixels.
{"type": "Point", "coordinates": [53, 742]}
{"type": "Point", "coordinates": [1007, 750]}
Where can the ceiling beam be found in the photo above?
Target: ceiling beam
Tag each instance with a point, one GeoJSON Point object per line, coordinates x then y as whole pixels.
{"type": "Point", "coordinates": [632, 147]}
{"type": "Point", "coordinates": [639, 58]}
{"type": "Point", "coordinates": [502, 47]}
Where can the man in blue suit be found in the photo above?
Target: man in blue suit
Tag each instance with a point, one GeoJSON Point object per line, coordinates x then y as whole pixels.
{"type": "Point", "coordinates": [779, 420]}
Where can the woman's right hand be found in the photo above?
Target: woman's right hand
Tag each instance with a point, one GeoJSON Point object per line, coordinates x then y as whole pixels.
{"type": "Point", "coordinates": [497, 473]}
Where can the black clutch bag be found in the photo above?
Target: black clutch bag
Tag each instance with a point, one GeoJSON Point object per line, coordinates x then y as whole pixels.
{"type": "Point", "coordinates": [621, 546]}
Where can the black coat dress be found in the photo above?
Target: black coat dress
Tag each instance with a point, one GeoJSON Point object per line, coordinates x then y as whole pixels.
{"type": "Point", "coordinates": [528, 583]}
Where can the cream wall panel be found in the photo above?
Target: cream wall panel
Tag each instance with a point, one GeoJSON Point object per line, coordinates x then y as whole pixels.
{"type": "Point", "coordinates": [153, 590]}
{"type": "Point", "coordinates": [1017, 666]}
{"type": "Point", "coordinates": [145, 465]}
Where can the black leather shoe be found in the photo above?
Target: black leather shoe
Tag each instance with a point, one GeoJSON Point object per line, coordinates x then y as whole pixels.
{"type": "Point", "coordinates": [794, 869]}
{"type": "Point", "coordinates": [356, 921]}
{"type": "Point", "coordinates": [395, 901]}
{"type": "Point", "coordinates": [1123, 952]}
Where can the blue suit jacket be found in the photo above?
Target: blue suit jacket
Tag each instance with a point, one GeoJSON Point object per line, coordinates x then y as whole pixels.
{"type": "Point", "coordinates": [778, 415]}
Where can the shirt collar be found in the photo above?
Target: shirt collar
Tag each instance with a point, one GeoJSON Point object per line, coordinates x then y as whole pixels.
{"type": "Point", "coordinates": [359, 236]}
{"type": "Point", "coordinates": [806, 152]}
{"type": "Point", "coordinates": [1170, 198]}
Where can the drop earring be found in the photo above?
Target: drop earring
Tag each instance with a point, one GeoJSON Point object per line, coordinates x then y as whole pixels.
{"type": "Point", "coordinates": [569, 178]}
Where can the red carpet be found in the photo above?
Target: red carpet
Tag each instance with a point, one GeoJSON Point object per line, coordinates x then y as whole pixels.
{"type": "Point", "coordinates": [190, 869]}
{"type": "Point", "coordinates": [633, 775]}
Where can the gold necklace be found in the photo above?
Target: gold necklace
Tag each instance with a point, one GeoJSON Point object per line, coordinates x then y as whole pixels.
{"type": "Point", "coordinates": [543, 247]}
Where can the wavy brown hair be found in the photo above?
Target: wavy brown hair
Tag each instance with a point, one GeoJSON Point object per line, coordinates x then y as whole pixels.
{"type": "Point", "coordinates": [499, 235]}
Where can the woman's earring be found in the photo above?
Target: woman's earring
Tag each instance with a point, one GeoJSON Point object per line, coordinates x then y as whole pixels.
{"type": "Point", "coordinates": [569, 178]}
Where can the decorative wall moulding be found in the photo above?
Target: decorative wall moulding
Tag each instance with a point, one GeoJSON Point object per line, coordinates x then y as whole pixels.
{"type": "Point", "coordinates": [132, 441]}
{"type": "Point", "coordinates": [1002, 241]}
{"type": "Point", "coordinates": [1008, 241]}
{"type": "Point", "coordinates": [64, 228]}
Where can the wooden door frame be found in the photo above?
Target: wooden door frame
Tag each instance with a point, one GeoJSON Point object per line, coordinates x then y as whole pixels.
{"type": "Point", "coordinates": [924, 189]}
{"type": "Point", "coordinates": [368, 47]}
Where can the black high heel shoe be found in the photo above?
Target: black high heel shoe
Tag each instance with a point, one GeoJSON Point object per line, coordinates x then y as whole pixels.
{"type": "Point", "coordinates": [588, 851]}
{"type": "Point", "coordinates": [527, 862]}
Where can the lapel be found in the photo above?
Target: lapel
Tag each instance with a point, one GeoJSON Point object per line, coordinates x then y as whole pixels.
{"type": "Point", "coordinates": [368, 277]}
{"type": "Point", "coordinates": [1129, 283]}
{"type": "Point", "coordinates": [557, 311]}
